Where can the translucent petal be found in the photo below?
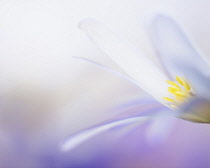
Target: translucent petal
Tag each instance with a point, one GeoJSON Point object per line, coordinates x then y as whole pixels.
{"type": "Point", "coordinates": [130, 59]}
{"type": "Point", "coordinates": [81, 137]}
{"type": "Point", "coordinates": [139, 102]}
{"type": "Point", "coordinates": [110, 70]}
{"type": "Point", "coordinates": [174, 48]}
{"type": "Point", "coordinates": [160, 128]}
{"type": "Point", "coordinates": [200, 83]}
{"type": "Point", "coordinates": [197, 110]}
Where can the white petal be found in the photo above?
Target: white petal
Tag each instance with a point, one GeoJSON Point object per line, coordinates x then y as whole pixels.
{"type": "Point", "coordinates": [130, 59]}
{"type": "Point", "coordinates": [174, 48]}
{"type": "Point", "coordinates": [110, 70]}
{"type": "Point", "coordinates": [199, 82]}
{"type": "Point", "coordinates": [81, 137]}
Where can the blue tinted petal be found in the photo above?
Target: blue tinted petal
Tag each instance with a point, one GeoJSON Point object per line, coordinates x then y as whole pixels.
{"type": "Point", "coordinates": [160, 128]}
{"type": "Point", "coordinates": [77, 139]}
{"type": "Point", "coordinates": [81, 137]}
{"type": "Point", "coordinates": [199, 81]}
{"type": "Point", "coordinates": [174, 48]}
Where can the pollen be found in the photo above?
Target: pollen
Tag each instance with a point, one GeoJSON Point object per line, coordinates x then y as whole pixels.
{"type": "Point", "coordinates": [180, 91]}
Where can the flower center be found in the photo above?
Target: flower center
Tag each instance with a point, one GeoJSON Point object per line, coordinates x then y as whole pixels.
{"type": "Point", "coordinates": [181, 92]}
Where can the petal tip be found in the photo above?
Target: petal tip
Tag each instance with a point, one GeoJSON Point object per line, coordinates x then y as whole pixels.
{"type": "Point", "coordinates": [162, 20]}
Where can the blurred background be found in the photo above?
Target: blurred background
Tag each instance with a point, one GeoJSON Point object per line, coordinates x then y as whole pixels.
{"type": "Point", "coordinates": [46, 95]}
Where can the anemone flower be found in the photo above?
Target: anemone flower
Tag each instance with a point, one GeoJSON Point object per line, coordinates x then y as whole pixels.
{"type": "Point", "coordinates": [181, 90]}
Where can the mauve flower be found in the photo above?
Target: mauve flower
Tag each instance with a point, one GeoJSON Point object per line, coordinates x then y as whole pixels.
{"type": "Point", "coordinates": [181, 91]}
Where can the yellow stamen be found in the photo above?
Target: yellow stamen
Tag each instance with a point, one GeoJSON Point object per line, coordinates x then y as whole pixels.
{"type": "Point", "coordinates": [179, 98]}
{"type": "Point", "coordinates": [180, 80]}
{"type": "Point", "coordinates": [183, 82]}
{"type": "Point", "coordinates": [173, 90]}
{"type": "Point", "coordinates": [169, 99]}
{"type": "Point", "coordinates": [173, 84]}
{"type": "Point", "coordinates": [187, 86]}
{"type": "Point", "coordinates": [181, 92]}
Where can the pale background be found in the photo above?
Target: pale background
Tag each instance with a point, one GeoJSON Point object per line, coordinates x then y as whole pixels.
{"type": "Point", "coordinates": [39, 37]}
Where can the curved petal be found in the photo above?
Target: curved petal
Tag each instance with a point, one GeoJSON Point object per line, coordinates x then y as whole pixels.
{"type": "Point", "coordinates": [75, 140]}
{"type": "Point", "coordinates": [200, 82]}
{"type": "Point", "coordinates": [139, 102]}
{"type": "Point", "coordinates": [130, 59]}
{"type": "Point", "coordinates": [81, 137]}
{"type": "Point", "coordinates": [110, 70]}
{"type": "Point", "coordinates": [160, 128]}
{"type": "Point", "coordinates": [174, 48]}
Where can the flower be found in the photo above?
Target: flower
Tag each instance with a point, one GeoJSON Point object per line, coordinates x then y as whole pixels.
{"type": "Point", "coordinates": [182, 89]}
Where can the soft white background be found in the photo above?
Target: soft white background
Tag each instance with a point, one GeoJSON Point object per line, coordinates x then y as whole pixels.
{"type": "Point", "coordinates": [39, 37]}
